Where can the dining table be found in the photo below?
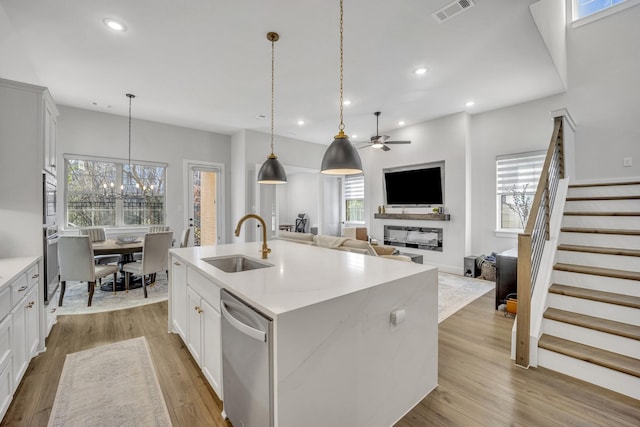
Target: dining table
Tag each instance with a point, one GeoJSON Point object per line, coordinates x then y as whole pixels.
{"type": "Point", "coordinates": [126, 251]}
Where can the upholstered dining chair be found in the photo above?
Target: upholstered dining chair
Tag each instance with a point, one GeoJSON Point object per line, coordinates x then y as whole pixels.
{"type": "Point", "coordinates": [155, 258]}
{"type": "Point", "coordinates": [98, 234]}
{"type": "Point", "coordinates": [184, 239]}
{"type": "Point", "coordinates": [158, 228]}
{"type": "Point", "coordinates": [75, 257]}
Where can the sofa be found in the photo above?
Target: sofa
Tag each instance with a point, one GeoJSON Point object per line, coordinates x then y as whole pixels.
{"type": "Point", "coordinates": [342, 244]}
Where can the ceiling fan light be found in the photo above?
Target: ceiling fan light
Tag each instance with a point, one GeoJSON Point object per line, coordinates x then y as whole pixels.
{"type": "Point", "coordinates": [272, 172]}
{"type": "Point", "coordinates": [377, 144]}
{"type": "Point", "coordinates": [341, 158]}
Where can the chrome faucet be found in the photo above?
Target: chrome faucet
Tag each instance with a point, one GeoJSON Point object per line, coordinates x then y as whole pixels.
{"type": "Point", "coordinates": [265, 249]}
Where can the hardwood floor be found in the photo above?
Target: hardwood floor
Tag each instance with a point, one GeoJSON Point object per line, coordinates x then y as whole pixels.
{"type": "Point", "coordinates": [478, 383]}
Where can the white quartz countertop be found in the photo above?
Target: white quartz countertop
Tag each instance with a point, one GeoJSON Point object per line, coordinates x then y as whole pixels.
{"type": "Point", "coordinates": [11, 267]}
{"type": "Point", "coordinates": [301, 275]}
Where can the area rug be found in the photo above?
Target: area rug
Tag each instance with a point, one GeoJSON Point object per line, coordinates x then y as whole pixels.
{"type": "Point", "coordinates": [455, 292]}
{"type": "Point", "coordinates": [110, 385]}
{"type": "Point", "coordinates": [75, 297]}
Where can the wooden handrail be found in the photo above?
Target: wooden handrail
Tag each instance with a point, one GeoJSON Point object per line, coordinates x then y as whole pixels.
{"type": "Point", "coordinates": [536, 232]}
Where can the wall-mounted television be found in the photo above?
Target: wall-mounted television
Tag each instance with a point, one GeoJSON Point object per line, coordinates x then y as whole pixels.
{"type": "Point", "coordinates": [419, 185]}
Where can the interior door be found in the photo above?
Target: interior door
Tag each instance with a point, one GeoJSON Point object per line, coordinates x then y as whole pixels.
{"type": "Point", "coordinates": [332, 206]}
{"type": "Point", "coordinates": [204, 209]}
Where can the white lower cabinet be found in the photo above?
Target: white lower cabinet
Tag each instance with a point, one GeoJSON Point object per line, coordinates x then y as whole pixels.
{"type": "Point", "coordinates": [178, 299]}
{"type": "Point", "coordinates": [195, 316]}
{"type": "Point", "coordinates": [19, 323]}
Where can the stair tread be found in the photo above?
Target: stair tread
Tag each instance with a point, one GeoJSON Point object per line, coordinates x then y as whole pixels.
{"type": "Point", "coordinates": [604, 184]}
{"type": "Point", "coordinates": [594, 213]}
{"type": "Point", "coordinates": [607, 359]}
{"type": "Point", "coordinates": [596, 198]}
{"type": "Point", "coordinates": [596, 323]}
{"type": "Point", "coordinates": [598, 271]}
{"type": "Point", "coordinates": [599, 250]}
{"type": "Point", "coordinates": [600, 231]}
{"type": "Point", "coordinates": [594, 295]}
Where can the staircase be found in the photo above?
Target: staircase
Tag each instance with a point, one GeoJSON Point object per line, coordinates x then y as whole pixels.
{"type": "Point", "coordinates": [591, 328]}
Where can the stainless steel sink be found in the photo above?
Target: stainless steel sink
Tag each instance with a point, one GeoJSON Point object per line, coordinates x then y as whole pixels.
{"type": "Point", "coordinates": [235, 263]}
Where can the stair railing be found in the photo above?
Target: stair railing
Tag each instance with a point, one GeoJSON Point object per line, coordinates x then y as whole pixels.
{"type": "Point", "coordinates": [532, 241]}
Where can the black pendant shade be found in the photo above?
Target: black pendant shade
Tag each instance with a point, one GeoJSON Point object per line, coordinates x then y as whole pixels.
{"type": "Point", "coordinates": [341, 158]}
{"type": "Point", "coordinates": [272, 172]}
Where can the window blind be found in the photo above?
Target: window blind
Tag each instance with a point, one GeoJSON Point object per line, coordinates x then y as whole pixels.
{"type": "Point", "coordinates": [353, 187]}
{"type": "Point", "coordinates": [519, 170]}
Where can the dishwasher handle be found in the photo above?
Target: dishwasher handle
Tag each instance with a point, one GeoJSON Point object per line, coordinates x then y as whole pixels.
{"type": "Point", "coordinates": [240, 326]}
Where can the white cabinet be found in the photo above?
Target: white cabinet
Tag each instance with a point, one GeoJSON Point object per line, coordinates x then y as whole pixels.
{"type": "Point", "coordinates": [195, 316]}
{"type": "Point", "coordinates": [19, 322]}
{"type": "Point", "coordinates": [50, 126]}
{"type": "Point", "coordinates": [178, 300]}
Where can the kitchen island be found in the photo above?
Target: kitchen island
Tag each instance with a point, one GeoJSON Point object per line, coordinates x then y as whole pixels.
{"type": "Point", "coordinates": [355, 338]}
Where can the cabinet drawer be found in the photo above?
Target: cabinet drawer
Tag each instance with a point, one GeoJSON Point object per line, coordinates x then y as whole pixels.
{"type": "Point", "coordinates": [19, 289]}
{"type": "Point", "coordinates": [33, 275]}
{"type": "Point", "coordinates": [208, 290]}
{"type": "Point", "coordinates": [5, 302]}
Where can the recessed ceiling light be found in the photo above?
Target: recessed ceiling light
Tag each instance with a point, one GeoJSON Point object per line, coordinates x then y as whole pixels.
{"type": "Point", "coordinates": [469, 104]}
{"type": "Point", "coordinates": [401, 123]}
{"type": "Point", "coordinates": [354, 135]}
{"type": "Point", "coordinates": [114, 25]}
{"type": "Point", "coordinates": [346, 102]}
{"type": "Point", "coordinates": [420, 71]}
{"type": "Point", "coordinates": [300, 122]}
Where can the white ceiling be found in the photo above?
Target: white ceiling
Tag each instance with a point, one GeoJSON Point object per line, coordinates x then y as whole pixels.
{"type": "Point", "coordinates": [206, 64]}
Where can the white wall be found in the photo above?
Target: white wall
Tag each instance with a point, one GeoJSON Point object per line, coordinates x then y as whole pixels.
{"type": "Point", "coordinates": [90, 133]}
{"type": "Point", "coordinates": [302, 196]}
{"type": "Point", "coordinates": [436, 140]}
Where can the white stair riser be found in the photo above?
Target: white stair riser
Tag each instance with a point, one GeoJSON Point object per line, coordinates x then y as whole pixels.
{"type": "Point", "coordinates": [589, 372]}
{"type": "Point", "coordinates": [601, 206]}
{"type": "Point", "coordinates": [609, 190]}
{"type": "Point", "coordinates": [597, 283]}
{"type": "Point", "coordinates": [615, 222]}
{"type": "Point", "coordinates": [610, 342]}
{"type": "Point", "coordinates": [616, 262]}
{"type": "Point", "coordinates": [600, 240]}
{"type": "Point", "coordinates": [587, 307]}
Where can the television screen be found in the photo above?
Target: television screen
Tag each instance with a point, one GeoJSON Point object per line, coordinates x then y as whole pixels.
{"type": "Point", "coordinates": [414, 187]}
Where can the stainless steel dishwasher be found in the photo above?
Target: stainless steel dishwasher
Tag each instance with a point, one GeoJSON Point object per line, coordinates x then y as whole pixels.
{"type": "Point", "coordinates": [247, 353]}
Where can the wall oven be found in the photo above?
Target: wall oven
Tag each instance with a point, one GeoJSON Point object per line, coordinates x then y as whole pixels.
{"type": "Point", "coordinates": [50, 237]}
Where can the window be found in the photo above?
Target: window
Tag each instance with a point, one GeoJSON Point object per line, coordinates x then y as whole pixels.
{"type": "Point", "coordinates": [101, 192]}
{"type": "Point", "coordinates": [584, 8]}
{"type": "Point", "coordinates": [517, 178]}
{"type": "Point", "coordinates": [354, 199]}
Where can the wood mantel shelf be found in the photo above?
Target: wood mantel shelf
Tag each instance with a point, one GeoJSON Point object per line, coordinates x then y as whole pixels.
{"type": "Point", "coordinates": [421, 217]}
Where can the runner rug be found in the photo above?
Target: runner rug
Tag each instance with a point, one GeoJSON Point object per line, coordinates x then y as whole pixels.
{"type": "Point", "coordinates": [110, 385]}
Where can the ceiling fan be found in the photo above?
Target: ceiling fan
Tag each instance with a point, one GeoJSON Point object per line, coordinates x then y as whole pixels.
{"type": "Point", "coordinates": [381, 141]}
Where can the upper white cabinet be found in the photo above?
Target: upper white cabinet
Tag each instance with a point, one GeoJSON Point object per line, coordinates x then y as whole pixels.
{"type": "Point", "coordinates": [50, 131]}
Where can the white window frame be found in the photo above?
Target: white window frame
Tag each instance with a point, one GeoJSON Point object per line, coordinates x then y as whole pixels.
{"type": "Point", "coordinates": [602, 13]}
{"type": "Point", "coordinates": [119, 208]}
{"type": "Point", "coordinates": [351, 192]}
{"type": "Point", "coordinates": [518, 169]}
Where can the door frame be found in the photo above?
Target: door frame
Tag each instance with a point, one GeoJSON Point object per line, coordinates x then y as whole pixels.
{"type": "Point", "coordinates": [220, 191]}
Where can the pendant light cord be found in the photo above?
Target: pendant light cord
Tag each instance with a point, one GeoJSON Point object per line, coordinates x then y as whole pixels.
{"type": "Point", "coordinates": [341, 127]}
{"type": "Point", "coordinates": [272, 87]}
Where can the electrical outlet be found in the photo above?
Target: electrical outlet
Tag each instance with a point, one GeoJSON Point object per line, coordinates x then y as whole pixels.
{"type": "Point", "coordinates": [627, 161]}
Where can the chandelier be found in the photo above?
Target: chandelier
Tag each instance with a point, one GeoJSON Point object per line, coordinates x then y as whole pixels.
{"type": "Point", "coordinates": [131, 191]}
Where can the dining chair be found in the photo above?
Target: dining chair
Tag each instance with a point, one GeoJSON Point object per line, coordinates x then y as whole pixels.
{"type": "Point", "coordinates": [155, 258]}
{"type": "Point", "coordinates": [75, 257]}
{"type": "Point", "coordinates": [98, 234]}
{"type": "Point", "coordinates": [184, 239]}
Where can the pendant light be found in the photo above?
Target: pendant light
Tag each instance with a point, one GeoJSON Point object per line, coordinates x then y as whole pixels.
{"type": "Point", "coordinates": [272, 171]}
{"type": "Point", "coordinates": [341, 158]}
